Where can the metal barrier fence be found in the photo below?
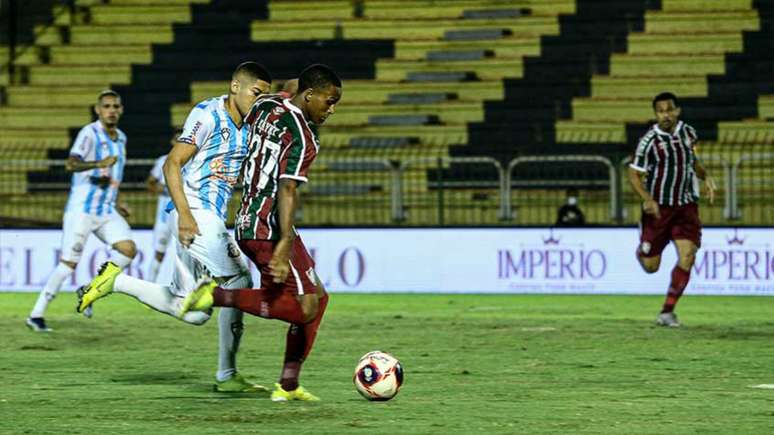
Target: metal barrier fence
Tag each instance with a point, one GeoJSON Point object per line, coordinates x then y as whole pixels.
{"type": "Point", "coordinates": [445, 191]}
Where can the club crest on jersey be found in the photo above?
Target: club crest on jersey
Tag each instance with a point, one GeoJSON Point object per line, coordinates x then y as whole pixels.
{"type": "Point", "coordinates": [225, 133]}
{"type": "Point", "coordinates": [279, 110]}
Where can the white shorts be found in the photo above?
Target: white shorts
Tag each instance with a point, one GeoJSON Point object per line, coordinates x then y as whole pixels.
{"type": "Point", "coordinates": [76, 227]}
{"type": "Point", "coordinates": [214, 251]}
{"type": "Point", "coordinates": [161, 228]}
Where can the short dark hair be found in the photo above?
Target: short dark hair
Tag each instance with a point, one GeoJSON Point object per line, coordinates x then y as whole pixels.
{"type": "Point", "coordinates": [318, 76]}
{"type": "Point", "coordinates": [107, 93]}
{"type": "Point", "coordinates": [253, 70]}
{"type": "Point", "coordinates": [665, 96]}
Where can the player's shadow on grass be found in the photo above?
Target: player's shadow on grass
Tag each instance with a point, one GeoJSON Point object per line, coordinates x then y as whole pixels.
{"type": "Point", "coordinates": [759, 330]}
{"type": "Point", "coordinates": [160, 378]}
{"type": "Point", "coordinates": [183, 382]}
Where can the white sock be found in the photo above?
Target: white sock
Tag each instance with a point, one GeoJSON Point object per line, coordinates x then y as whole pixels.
{"type": "Point", "coordinates": [120, 259]}
{"type": "Point", "coordinates": [156, 296]}
{"type": "Point", "coordinates": [230, 331]}
{"type": "Point", "coordinates": [54, 283]}
{"type": "Point", "coordinates": [154, 269]}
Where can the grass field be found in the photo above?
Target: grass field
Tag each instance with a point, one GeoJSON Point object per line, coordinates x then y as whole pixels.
{"type": "Point", "coordinates": [474, 364]}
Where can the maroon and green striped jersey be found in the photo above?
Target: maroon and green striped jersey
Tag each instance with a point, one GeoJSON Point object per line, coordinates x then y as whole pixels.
{"type": "Point", "coordinates": [282, 145]}
{"type": "Point", "coordinates": [668, 160]}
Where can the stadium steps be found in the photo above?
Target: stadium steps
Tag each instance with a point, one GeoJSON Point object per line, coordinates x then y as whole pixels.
{"type": "Point", "coordinates": [766, 107]}
{"type": "Point", "coordinates": [288, 10]}
{"type": "Point", "coordinates": [425, 31]}
{"type": "Point", "coordinates": [671, 42]}
{"type": "Point", "coordinates": [398, 29]}
{"type": "Point", "coordinates": [511, 48]}
{"type": "Point", "coordinates": [486, 69]}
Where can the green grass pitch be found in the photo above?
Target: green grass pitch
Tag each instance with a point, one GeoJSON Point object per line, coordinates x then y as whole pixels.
{"type": "Point", "coordinates": [474, 364]}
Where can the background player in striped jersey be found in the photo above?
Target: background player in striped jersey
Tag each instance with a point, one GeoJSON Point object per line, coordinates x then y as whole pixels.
{"type": "Point", "coordinates": [96, 160]}
{"type": "Point", "coordinates": [665, 173]}
{"type": "Point", "coordinates": [282, 148]}
{"type": "Point", "coordinates": [200, 173]}
{"type": "Point", "coordinates": [161, 229]}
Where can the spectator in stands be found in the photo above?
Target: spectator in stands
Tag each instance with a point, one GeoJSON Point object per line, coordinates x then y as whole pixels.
{"type": "Point", "coordinates": [570, 215]}
{"type": "Point", "coordinates": [96, 160]}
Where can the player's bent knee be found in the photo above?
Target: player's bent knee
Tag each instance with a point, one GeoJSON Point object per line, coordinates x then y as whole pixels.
{"type": "Point", "coordinates": [309, 306]}
{"type": "Point", "coordinates": [687, 261]}
{"type": "Point", "coordinates": [242, 280]}
{"type": "Point", "coordinates": [650, 266]}
{"type": "Point", "coordinates": [127, 248]}
{"type": "Point", "coordinates": [70, 264]}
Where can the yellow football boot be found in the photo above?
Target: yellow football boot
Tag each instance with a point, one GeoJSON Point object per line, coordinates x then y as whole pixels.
{"type": "Point", "coordinates": [200, 299]}
{"type": "Point", "coordinates": [99, 287]}
{"type": "Point", "coordinates": [280, 395]}
{"type": "Point", "coordinates": [238, 384]}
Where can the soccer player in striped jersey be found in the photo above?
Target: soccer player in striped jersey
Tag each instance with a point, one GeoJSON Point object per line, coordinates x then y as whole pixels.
{"type": "Point", "coordinates": [161, 229]}
{"type": "Point", "coordinates": [200, 173]}
{"type": "Point", "coordinates": [96, 160]}
{"type": "Point", "coordinates": [282, 148]}
{"type": "Point", "coordinates": [665, 173]}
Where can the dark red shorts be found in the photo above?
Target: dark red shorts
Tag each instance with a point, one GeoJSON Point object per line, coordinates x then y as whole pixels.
{"type": "Point", "coordinates": [301, 279]}
{"type": "Point", "coordinates": [676, 223]}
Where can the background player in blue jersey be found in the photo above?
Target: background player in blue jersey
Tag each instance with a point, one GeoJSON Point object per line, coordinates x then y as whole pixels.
{"type": "Point", "coordinates": [96, 160]}
{"type": "Point", "coordinates": [200, 172]}
{"type": "Point", "coordinates": [161, 229]}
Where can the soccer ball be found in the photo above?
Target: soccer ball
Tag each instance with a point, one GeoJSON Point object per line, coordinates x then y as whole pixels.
{"type": "Point", "coordinates": [378, 376]}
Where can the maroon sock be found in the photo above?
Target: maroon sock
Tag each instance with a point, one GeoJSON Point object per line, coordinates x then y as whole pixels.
{"type": "Point", "coordinates": [679, 281]}
{"type": "Point", "coordinates": [261, 302]}
{"type": "Point", "coordinates": [299, 342]}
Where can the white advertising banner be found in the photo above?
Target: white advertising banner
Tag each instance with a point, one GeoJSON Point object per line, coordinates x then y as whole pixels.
{"type": "Point", "coordinates": [507, 260]}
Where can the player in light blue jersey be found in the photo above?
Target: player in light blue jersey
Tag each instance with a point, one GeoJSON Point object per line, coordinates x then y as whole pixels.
{"type": "Point", "coordinates": [96, 160]}
{"type": "Point", "coordinates": [200, 172]}
{"type": "Point", "coordinates": [161, 229]}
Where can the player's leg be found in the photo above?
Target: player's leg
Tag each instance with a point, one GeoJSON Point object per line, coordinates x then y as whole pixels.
{"type": "Point", "coordinates": [269, 301]}
{"type": "Point", "coordinates": [686, 233]}
{"type": "Point", "coordinates": [681, 273]}
{"type": "Point", "coordinates": [217, 251]}
{"type": "Point", "coordinates": [654, 237]}
{"type": "Point", "coordinates": [300, 337]}
{"type": "Point", "coordinates": [165, 299]}
{"type": "Point", "coordinates": [75, 231]}
{"type": "Point", "coordinates": [161, 235]}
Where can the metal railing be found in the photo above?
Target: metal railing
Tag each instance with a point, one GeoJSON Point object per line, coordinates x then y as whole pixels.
{"type": "Point", "coordinates": [411, 191]}
{"type": "Point", "coordinates": [507, 213]}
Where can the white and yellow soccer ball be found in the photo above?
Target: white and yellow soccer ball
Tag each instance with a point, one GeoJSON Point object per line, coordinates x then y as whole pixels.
{"type": "Point", "coordinates": [378, 376]}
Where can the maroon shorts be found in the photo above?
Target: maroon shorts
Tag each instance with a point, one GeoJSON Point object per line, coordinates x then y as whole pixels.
{"type": "Point", "coordinates": [676, 223]}
{"type": "Point", "coordinates": [301, 279]}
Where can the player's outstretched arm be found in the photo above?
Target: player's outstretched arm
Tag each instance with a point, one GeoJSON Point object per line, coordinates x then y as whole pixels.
{"type": "Point", "coordinates": [76, 164]}
{"type": "Point", "coordinates": [180, 155]}
{"type": "Point", "coordinates": [287, 197]}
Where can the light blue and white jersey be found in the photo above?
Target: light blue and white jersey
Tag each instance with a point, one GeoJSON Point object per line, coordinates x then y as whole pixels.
{"type": "Point", "coordinates": [157, 172]}
{"type": "Point", "coordinates": [95, 191]}
{"type": "Point", "coordinates": [210, 176]}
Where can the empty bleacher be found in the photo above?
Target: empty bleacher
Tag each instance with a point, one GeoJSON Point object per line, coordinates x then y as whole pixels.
{"type": "Point", "coordinates": [427, 84]}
